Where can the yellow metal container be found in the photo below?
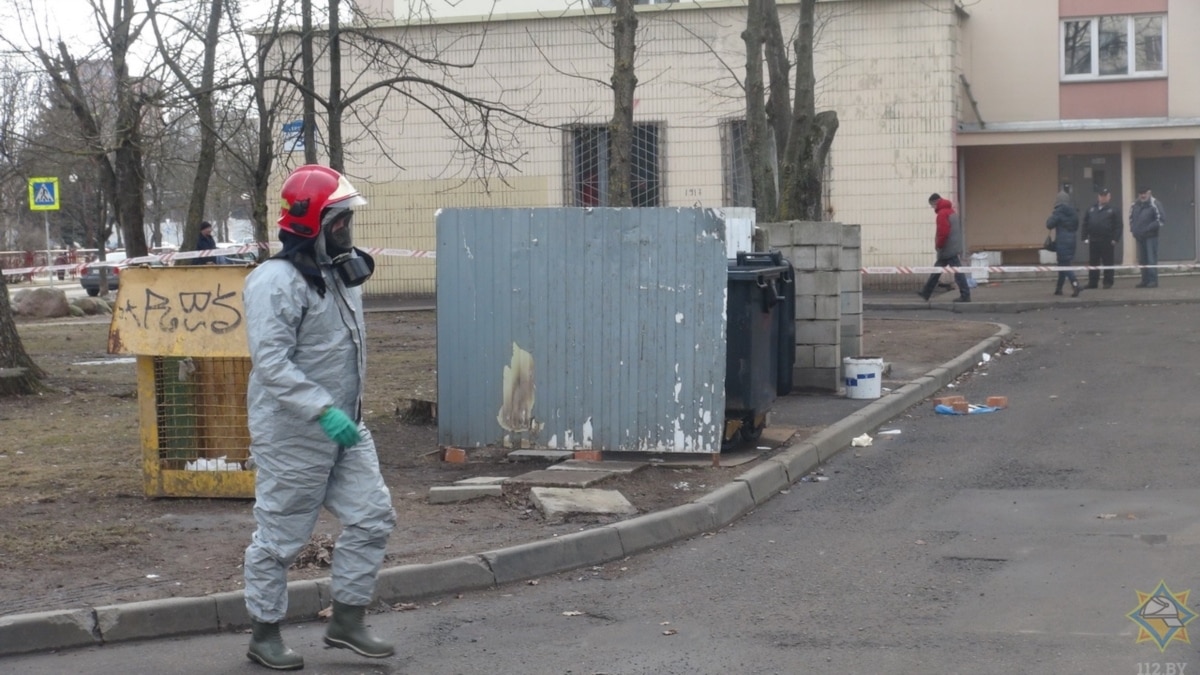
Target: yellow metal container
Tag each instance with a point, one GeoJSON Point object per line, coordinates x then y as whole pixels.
{"type": "Point", "coordinates": [186, 325]}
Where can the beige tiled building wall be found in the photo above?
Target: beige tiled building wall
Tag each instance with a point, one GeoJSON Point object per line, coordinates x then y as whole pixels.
{"type": "Point", "coordinates": [887, 68]}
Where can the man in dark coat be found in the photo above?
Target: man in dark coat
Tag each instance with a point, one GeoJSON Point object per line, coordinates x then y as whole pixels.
{"type": "Point", "coordinates": [948, 240]}
{"type": "Point", "coordinates": [1145, 220]}
{"type": "Point", "coordinates": [1101, 232]}
{"type": "Point", "coordinates": [205, 242]}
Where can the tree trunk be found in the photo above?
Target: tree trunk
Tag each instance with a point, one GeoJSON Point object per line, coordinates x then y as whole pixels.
{"type": "Point", "coordinates": [758, 150]}
{"type": "Point", "coordinates": [19, 375]}
{"type": "Point", "coordinates": [207, 159]}
{"type": "Point", "coordinates": [131, 181]}
{"type": "Point", "coordinates": [620, 128]}
{"type": "Point", "coordinates": [779, 104]}
{"type": "Point", "coordinates": [337, 155]}
{"type": "Point", "coordinates": [308, 78]}
{"type": "Point", "coordinates": [810, 136]}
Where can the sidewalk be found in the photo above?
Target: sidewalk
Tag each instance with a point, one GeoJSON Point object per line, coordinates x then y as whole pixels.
{"type": "Point", "coordinates": [842, 419]}
{"type": "Point", "coordinates": [1010, 296]}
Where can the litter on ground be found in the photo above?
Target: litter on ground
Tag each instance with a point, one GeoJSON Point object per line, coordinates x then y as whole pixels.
{"type": "Point", "coordinates": [972, 409]}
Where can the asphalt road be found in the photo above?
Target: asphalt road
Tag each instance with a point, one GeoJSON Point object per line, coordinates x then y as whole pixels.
{"type": "Point", "coordinates": [1010, 542]}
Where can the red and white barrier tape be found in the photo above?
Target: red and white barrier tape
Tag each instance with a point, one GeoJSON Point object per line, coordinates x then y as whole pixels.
{"type": "Point", "coordinates": [1023, 268]}
{"type": "Point", "coordinates": [168, 258]}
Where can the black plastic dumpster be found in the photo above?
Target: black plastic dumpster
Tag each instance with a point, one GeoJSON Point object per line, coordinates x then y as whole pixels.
{"type": "Point", "coordinates": [785, 314]}
{"type": "Point", "coordinates": [759, 341]}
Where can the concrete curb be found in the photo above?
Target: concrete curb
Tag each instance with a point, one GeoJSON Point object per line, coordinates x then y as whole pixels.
{"type": "Point", "coordinates": [65, 629]}
{"type": "Point", "coordinates": [1015, 307]}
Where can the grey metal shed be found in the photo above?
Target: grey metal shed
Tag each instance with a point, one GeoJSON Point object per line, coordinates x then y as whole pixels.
{"type": "Point", "coordinates": [581, 329]}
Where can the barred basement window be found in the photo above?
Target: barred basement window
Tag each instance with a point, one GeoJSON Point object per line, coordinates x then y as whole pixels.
{"type": "Point", "coordinates": [738, 190]}
{"type": "Point", "coordinates": [590, 152]}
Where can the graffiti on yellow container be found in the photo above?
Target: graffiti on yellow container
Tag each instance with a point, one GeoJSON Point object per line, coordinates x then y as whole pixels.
{"type": "Point", "coordinates": [180, 311]}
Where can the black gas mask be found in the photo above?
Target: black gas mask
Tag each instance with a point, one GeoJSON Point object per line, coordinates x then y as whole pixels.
{"type": "Point", "coordinates": [354, 267]}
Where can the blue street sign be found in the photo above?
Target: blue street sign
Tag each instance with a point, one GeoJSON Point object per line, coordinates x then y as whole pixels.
{"type": "Point", "coordinates": [43, 194]}
{"type": "Point", "coordinates": [293, 138]}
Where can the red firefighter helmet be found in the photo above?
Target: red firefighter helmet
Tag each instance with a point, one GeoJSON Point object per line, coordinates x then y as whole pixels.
{"type": "Point", "coordinates": [308, 192]}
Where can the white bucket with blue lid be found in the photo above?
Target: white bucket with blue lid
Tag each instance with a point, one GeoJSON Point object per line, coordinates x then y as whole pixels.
{"type": "Point", "coordinates": [863, 376]}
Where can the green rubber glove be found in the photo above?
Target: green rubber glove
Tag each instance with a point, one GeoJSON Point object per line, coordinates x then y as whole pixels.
{"type": "Point", "coordinates": [338, 426]}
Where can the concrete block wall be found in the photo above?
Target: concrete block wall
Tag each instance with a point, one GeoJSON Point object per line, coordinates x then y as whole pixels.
{"type": "Point", "coordinates": [850, 274]}
{"type": "Point", "coordinates": [827, 258]}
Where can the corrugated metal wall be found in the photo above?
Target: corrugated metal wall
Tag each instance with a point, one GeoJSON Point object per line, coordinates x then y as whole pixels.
{"type": "Point", "coordinates": [579, 329]}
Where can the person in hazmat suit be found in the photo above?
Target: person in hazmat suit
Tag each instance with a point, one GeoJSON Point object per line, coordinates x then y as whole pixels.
{"type": "Point", "coordinates": [304, 321]}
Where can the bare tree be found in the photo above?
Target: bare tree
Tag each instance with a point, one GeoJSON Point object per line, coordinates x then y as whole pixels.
{"type": "Point", "coordinates": [391, 67]}
{"type": "Point", "coordinates": [308, 87]}
{"type": "Point", "coordinates": [199, 81]}
{"type": "Point", "coordinates": [116, 152]}
{"type": "Point", "coordinates": [18, 373]}
{"type": "Point", "coordinates": [624, 82]}
{"type": "Point", "coordinates": [801, 136]}
{"type": "Point", "coordinates": [256, 166]}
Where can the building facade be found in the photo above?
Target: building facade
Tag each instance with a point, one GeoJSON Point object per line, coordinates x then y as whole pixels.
{"type": "Point", "coordinates": [997, 105]}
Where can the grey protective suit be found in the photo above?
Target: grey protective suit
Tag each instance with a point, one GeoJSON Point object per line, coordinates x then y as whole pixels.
{"type": "Point", "coordinates": [307, 353]}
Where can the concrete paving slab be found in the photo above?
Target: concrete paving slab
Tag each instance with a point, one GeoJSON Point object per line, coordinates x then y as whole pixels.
{"type": "Point", "coordinates": [540, 455]}
{"type": "Point", "coordinates": [776, 436]}
{"type": "Point", "coordinates": [562, 479]}
{"type": "Point", "coordinates": [611, 467]}
{"type": "Point", "coordinates": [448, 494]}
{"type": "Point", "coordinates": [482, 480]}
{"type": "Point", "coordinates": [561, 502]}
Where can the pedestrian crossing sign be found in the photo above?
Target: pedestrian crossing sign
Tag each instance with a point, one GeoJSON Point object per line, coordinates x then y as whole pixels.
{"type": "Point", "coordinates": [43, 194]}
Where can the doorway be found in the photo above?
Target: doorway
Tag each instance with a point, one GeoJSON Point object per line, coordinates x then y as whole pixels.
{"type": "Point", "coordinates": [1172, 181]}
{"type": "Point", "coordinates": [1082, 177]}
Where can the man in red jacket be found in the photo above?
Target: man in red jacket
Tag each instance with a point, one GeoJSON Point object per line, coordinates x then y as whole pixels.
{"type": "Point", "coordinates": [948, 241]}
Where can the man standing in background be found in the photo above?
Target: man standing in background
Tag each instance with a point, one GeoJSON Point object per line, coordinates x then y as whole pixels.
{"type": "Point", "coordinates": [1101, 231]}
{"type": "Point", "coordinates": [205, 242]}
{"type": "Point", "coordinates": [948, 241]}
{"type": "Point", "coordinates": [1145, 220]}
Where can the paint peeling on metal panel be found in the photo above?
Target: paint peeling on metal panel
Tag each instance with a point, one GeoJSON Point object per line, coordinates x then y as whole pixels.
{"type": "Point", "coordinates": [518, 391]}
{"type": "Point", "coordinates": [678, 317]}
{"type": "Point", "coordinates": [587, 433]}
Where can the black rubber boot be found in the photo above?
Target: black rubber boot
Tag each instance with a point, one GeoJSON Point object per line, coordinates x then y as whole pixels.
{"type": "Point", "coordinates": [347, 631]}
{"type": "Point", "coordinates": [267, 648]}
{"type": "Point", "coordinates": [1075, 289]}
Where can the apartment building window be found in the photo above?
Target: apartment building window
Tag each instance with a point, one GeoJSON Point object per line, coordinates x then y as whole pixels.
{"type": "Point", "coordinates": [738, 190]}
{"type": "Point", "coordinates": [1119, 46]}
{"type": "Point", "coordinates": [590, 150]}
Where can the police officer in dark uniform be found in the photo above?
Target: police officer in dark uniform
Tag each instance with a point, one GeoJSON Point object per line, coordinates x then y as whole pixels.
{"type": "Point", "coordinates": [1101, 231]}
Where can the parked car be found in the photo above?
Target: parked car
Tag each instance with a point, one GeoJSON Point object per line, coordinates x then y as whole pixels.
{"type": "Point", "coordinates": [90, 279]}
{"type": "Point", "coordinates": [247, 258]}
